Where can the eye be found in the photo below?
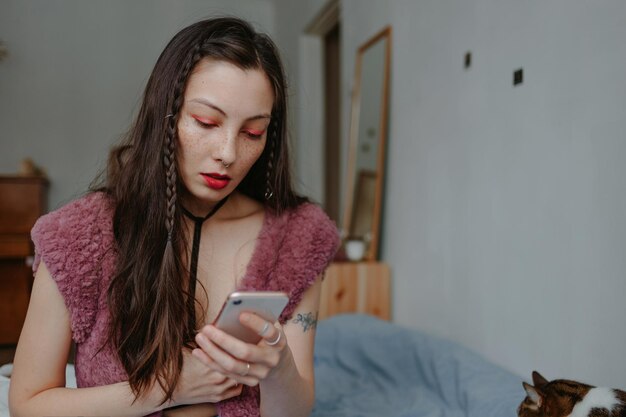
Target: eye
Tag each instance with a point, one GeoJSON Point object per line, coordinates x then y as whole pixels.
{"type": "Point", "coordinates": [254, 134]}
{"type": "Point", "coordinates": [205, 123]}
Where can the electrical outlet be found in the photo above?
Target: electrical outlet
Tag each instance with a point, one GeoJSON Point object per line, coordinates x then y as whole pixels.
{"type": "Point", "coordinates": [468, 59]}
{"type": "Point", "coordinates": [518, 77]}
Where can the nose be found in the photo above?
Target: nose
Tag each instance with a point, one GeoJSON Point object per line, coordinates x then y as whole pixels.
{"type": "Point", "coordinates": [226, 151]}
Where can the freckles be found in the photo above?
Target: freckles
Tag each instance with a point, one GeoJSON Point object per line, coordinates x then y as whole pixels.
{"type": "Point", "coordinates": [253, 150]}
{"type": "Point", "coordinates": [188, 136]}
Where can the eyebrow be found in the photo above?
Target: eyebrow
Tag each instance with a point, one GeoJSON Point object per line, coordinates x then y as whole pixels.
{"type": "Point", "coordinates": [213, 106]}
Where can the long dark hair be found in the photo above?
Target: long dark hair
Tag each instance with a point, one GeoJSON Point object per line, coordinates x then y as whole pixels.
{"type": "Point", "coordinates": [151, 316]}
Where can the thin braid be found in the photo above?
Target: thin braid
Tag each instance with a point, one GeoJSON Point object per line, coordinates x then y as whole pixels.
{"type": "Point", "coordinates": [169, 161]}
{"type": "Point", "coordinates": [169, 157]}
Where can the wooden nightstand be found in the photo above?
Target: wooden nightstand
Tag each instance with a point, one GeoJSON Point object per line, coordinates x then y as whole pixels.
{"type": "Point", "coordinates": [356, 287]}
{"type": "Point", "coordinates": [22, 201]}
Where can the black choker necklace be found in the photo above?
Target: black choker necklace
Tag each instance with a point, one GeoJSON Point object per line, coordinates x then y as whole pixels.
{"type": "Point", "coordinates": [193, 266]}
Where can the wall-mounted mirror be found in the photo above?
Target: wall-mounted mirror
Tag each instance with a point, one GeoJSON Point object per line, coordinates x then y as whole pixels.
{"type": "Point", "coordinates": [368, 136]}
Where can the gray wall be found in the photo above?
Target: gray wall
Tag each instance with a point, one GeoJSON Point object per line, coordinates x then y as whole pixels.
{"type": "Point", "coordinates": [505, 210]}
{"type": "Point", "coordinates": [75, 74]}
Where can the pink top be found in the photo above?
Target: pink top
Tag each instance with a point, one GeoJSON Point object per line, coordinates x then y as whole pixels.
{"type": "Point", "coordinates": [77, 245]}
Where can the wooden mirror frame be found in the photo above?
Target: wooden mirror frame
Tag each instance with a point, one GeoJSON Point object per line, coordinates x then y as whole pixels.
{"type": "Point", "coordinates": [384, 35]}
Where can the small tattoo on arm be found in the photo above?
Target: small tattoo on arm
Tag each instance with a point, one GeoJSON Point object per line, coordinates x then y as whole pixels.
{"type": "Point", "coordinates": [308, 320]}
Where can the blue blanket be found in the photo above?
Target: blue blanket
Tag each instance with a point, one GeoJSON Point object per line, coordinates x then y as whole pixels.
{"type": "Point", "coordinates": [367, 367]}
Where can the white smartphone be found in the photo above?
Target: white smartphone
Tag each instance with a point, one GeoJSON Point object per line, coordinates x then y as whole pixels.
{"type": "Point", "coordinates": [265, 304]}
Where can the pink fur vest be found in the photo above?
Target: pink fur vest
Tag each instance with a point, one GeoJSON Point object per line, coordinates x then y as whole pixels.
{"type": "Point", "coordinates": [77, 245]}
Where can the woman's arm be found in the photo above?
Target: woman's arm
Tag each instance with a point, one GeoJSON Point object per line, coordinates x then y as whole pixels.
{"type": "Point", "coordinates": [283, 371]}
{"type": "Point", "coordinates": [196, 410]}
{"type": "Point", "coordinates": [38, 380]}
{"type": "Point", "coordinates": [290, 389]}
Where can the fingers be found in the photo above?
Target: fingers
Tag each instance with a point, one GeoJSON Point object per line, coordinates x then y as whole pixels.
{"type": "Point", "coordinates": [271, 334]}
{"type": "Point", "coordinates": [246, 378]}
{"type": "Point", "coordinates": [219, 376]}
{"type": "Point", "coordinates": [265, 328]}
{"type": "Point", "coordinates": [212, 339]}
{"type": "Point", "coordinates": [229, 389]}
{"type": "Point", "coordinates": [243, 362]}
{"type": "Point", "coordinates": [234, 391]}
{"type": "Point", "coordinates": [228, 384]}
{"type": "Point", "coordinates": [201, 355]}
{"type": "Point", "coordinates": [275, 341]}
{"type": "Point", "coordinates": [205, 383]}
{"type": "Point", "coordinates": [216, 344]}
{"type": "Point", "coordinates": [241, 371]}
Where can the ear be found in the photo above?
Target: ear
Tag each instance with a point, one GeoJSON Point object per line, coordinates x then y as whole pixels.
{"type": "Point", "coordinates": [533, 394]}
{"type": "Point", "coordinates": [539, 380]}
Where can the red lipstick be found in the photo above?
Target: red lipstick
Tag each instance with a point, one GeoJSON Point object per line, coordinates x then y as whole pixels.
{"type": "Point", "coordinates": [215, 181]}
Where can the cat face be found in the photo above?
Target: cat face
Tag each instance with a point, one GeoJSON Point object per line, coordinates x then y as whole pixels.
{"type": "Point", "coordinates": [551, 399]}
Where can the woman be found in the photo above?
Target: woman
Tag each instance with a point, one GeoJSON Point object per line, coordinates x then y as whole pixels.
{"type": "Point", "coordinates": [198, 195]}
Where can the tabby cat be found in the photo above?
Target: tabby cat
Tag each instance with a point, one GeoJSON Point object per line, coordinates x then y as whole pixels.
{"type": "Point", "coordinates": [563, 398]}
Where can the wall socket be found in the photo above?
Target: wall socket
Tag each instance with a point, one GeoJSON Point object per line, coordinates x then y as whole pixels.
{"type": "Point", "coordinates": [518, 76]}
{"type": "Point", "coordinates": [468, 59]}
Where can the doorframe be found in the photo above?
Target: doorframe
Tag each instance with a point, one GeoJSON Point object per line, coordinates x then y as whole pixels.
{"type": "Point", "coordinates": [311, 119]}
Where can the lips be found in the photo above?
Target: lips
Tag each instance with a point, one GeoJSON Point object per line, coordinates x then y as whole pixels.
{"type": "Point", "coordinates": [215, 180]}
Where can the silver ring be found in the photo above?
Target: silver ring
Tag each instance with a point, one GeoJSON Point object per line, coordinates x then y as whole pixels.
{"type": "Point", "coordinates": [226, 165]}
{"type": "Point", "coordinates": [265, 329]}
{"type": "Point", "coordinates": [247, 369]}
{"type": "Point", "coordinates": [280, 334]}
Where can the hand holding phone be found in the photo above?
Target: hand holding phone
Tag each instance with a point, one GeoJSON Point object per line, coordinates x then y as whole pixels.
{"type": "Point", "coordinates": [265, 304]}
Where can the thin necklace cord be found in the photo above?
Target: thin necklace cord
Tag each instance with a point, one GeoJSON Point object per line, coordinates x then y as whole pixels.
{"type": "Point", "coordinates": [195, 250]}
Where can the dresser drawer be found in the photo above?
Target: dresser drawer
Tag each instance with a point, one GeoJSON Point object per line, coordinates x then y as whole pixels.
{"type": "Point", "coordinates": [15, 246]}
{"type": "Point", "coordinates": [15, 285]}
{"type": "Point", "coordinates": [22, 202]}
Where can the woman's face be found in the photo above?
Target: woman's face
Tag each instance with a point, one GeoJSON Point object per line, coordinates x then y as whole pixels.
{"type": "Point", "coordinates": [222, 130]}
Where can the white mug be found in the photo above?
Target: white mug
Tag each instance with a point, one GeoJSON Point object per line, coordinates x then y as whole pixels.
{"type": "Point", "coordinates": [355, 250]}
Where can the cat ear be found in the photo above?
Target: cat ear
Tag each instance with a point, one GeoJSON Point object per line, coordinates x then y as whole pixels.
{"type": "Point", "coordinates": [533, 394]}
{"type": "Point", "coordinates": [539, 380]}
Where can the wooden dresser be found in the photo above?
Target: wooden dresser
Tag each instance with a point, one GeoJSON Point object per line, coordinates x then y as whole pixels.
{"type": "Point", "coordinates": [22, 201]}
{"type": "Point", "coordinates": [356, 287]}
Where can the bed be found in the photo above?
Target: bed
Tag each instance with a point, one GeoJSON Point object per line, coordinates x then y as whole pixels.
{"type": "Point", "coordinates": [368, 367]}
